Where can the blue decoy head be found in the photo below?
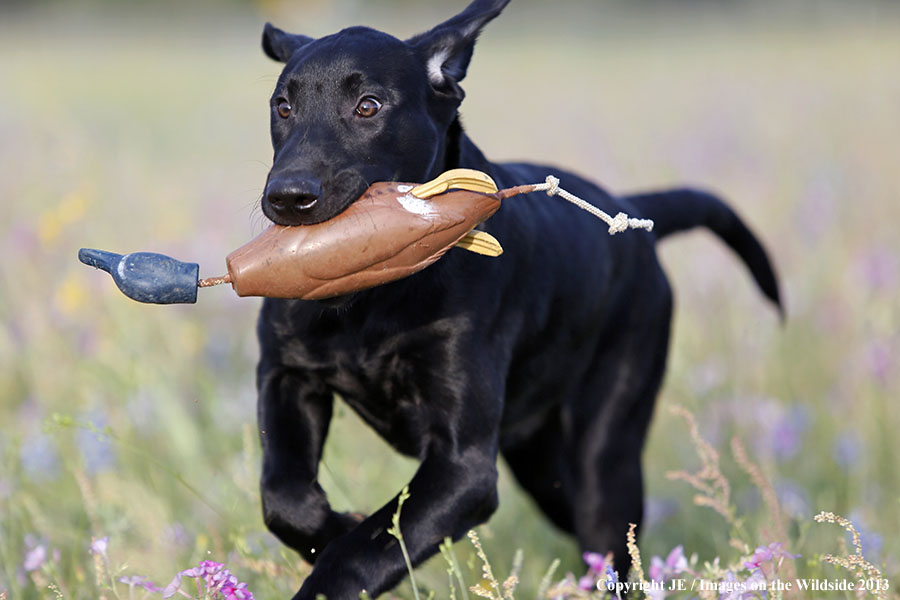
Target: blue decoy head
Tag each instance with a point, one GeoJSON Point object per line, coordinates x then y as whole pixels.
{"type": "Point", "coordinates": [147, 276]}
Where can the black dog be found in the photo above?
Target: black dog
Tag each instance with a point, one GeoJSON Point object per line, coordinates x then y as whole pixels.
{"type": "Point", "coordinates": [550, 355]}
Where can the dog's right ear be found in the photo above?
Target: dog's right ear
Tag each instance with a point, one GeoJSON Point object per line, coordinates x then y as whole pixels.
{"type": "Point", "coordinates": [280, 45]}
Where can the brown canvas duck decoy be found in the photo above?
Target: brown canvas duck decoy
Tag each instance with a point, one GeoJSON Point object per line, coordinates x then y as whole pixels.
{"type": "Point", "coordinates": [392, 231]}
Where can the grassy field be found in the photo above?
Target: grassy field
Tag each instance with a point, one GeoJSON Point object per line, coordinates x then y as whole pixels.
{"type": "Point", "coordinates": [142, 131]}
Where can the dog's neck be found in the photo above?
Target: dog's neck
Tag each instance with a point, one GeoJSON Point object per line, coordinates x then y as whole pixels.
{"type": "Point", "coordinates": [460, 151]}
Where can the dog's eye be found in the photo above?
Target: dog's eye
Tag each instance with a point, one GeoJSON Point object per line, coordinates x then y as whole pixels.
{"type": "Point", "coordinates": [284, 108]}
{"type": "Point", "coordinates": [368, 107]}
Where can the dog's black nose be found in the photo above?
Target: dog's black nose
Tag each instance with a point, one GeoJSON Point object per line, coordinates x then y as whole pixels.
{"type": "Point", "coordinates": [291, 198]}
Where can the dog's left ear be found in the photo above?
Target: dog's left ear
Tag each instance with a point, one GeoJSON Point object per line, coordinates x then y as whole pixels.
{"type": "Point", "coordinates": [447, 49]}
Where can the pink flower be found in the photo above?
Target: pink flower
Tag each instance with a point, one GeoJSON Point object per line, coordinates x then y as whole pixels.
{"type": "Point", "coordinates": [768, 555]}
{"type": "Point", "coordinates": [596, 562]}
{"type": "Point", "coordinates": [597, 565]}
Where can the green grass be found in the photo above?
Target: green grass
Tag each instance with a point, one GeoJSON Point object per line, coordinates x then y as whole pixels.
{"type": "Point", "coordinates": [137, 422]}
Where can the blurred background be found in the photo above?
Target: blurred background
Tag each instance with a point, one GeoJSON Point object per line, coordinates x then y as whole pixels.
{"type": "Point", "coordinates": [144, 126]}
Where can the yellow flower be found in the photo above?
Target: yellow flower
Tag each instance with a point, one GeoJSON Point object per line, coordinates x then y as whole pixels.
{"type": "Point", "coordinates": [71, 295]}
{"type": "Point", "coordinates": [71, 209]}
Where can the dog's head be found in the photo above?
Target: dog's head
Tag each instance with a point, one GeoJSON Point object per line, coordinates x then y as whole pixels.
{"type": "Point", "coordinates": [361, 106]}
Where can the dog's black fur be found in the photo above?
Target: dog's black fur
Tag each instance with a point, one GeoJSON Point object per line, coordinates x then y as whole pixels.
{"type": "Point", "coordinates": [550, 355]}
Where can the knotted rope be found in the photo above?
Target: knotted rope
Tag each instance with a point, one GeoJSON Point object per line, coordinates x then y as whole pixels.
{"type": "Point", "coordinates": [617, 224]}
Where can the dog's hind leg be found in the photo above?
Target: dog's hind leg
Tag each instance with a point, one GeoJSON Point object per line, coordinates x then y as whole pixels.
{"type": "Point", "coordinates": [609, 421]}
{"type": "Point", "coordinates": [540, 465]}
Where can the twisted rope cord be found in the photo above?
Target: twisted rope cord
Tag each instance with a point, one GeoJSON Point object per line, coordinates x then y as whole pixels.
{"type": "Point", "coordinates": [617, 224]}
{"type": "Point", "coordinates": [211, 281]}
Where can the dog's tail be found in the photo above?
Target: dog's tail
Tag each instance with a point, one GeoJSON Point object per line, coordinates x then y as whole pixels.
{"type": "Point", "coordinates": [682, 209]}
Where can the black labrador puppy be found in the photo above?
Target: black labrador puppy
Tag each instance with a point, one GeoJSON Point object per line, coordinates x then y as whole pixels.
{"type": "Point", "coordinates": [550, 355]}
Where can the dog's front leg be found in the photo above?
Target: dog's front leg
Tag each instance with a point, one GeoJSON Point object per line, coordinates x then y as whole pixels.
{"type": "Point", "coordinates": [294, 412]}
{"type": "Point", "coordinates": [454, 489]}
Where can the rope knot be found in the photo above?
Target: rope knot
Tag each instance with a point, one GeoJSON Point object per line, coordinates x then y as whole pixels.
{"type": "Point", "coordinates": [552, 185]}
{"type": "Point", "coordinates": [618, 224]}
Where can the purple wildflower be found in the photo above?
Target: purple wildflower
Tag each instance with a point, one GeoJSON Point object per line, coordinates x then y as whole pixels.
{"type": "Point", "coordinates": [781, 427]}
{"type": "Point", "coordinates": [586, 582]}
{"type": "Point", "coordinates": [611, 578]}
{"type": "Point", "coordinates": [879, 267]}
{"type": "Point", "coordinates": [768, 556]}
{"type": "Point", "coordinates": [175, 535]}
{"type": "Point", "coordinates": [99, 546]}
{"type": "Point", "coordinates": [658, 511]}
{"type": "Point", "coordinates": [596, 562]}
{"type": "Point", "coordinates": [675, 564]}
{"type": "Point", "coordinates": [96, 449]}
{"type": "Point", "coordinates": [756, 583]}
{"type": "Point", "coordinates": [596, 567]}
{"type": "Point", "coordinates": [872, 541]}
{"type": "Point", "coordinates": [792, 497]}
{"type": "Point", "coordinates": [39, 458]}
{"type": "Point", "coordinates": [141, 581]}
{"type": "Point", "coordinates": [215, 578]}
{"type": "Point", "coordinates": [174, 586]}
{"type": "Point", "coordinates": [236, 592]}
{"type": "Point", "coordinates": [656, 568]}
{"type": "Point", "coordinates": [847, 450]}
{"type": "Point", "coordinates": [787, 435]}
{"type": "Point", "coordinates": [35, 558]}
{"type": "Point", "coordinates": [733, 588]}
{"type": "Point", "coordinates": [879, 360]}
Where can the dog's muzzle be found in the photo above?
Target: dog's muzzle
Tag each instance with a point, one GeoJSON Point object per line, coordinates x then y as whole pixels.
{"type": "Point", "coordinates": [290, 199]}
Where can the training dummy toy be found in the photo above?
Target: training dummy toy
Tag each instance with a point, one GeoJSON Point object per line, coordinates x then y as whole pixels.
{"type": "Point", "coordinates": [392, 231]}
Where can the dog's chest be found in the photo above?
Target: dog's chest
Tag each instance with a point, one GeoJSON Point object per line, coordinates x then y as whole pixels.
{"type": "Point", "coordinates": [396, 380]}
{"type": "Point", "coordinates": [384, 390]}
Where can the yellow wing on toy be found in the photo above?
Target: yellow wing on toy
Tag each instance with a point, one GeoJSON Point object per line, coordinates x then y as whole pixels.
{"type": "Point", "coordinates": [456, 179]}
{"type": "Point", "coordinates": [480, 242]}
